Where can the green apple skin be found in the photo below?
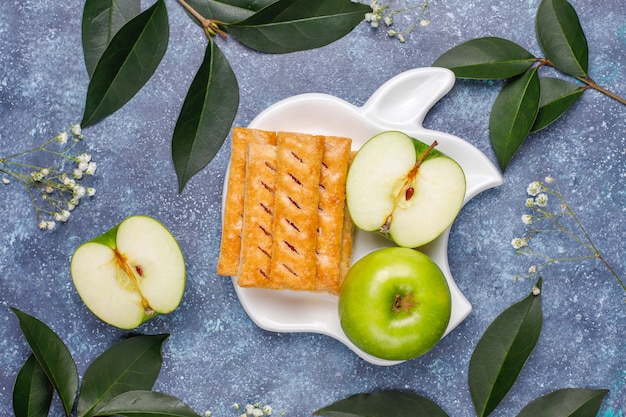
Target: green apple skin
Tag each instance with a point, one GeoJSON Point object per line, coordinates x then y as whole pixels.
{"type": "Point", "coordinates": [404, 188]}
{"type": "Point", "coordinates": [395, 303]}
{"type": "Point", "coordinates": [131, 273]}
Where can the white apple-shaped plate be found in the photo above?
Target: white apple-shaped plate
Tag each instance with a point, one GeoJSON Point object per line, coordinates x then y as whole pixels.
{"type": "Point", "coordinates": [399, 104]}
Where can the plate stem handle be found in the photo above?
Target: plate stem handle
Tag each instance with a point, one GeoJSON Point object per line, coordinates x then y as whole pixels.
{"type": "Point", "coordinates": [404, 100]}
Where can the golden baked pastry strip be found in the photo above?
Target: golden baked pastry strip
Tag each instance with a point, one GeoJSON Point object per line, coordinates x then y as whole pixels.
{"type": "Point", "coordinates": [228, 260]}
{"type": "Point", "coordinates": [330, 229]}
{"type": "Point", "coordinates": [299, 162]}
{"type": "Point", "coordinates": [257, 235]}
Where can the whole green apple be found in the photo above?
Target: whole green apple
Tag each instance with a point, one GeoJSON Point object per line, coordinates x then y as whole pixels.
{"type": "Point", "coordinates": [131, 273]}
{"type": "Point", "coordinates": [395, 303]}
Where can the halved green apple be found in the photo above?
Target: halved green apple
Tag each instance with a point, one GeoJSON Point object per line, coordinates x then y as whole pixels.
{"type": "Point", "coordinates": [131, 273]}
{"type": "Point", "coordinates": [404, 188]}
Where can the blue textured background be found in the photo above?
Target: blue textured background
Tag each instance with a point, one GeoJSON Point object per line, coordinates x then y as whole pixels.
{"type": "Point", "coordinates": [216, 355]}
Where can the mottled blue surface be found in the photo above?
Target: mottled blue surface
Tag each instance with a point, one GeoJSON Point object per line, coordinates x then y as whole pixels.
{"type": "Point", "coordinates": [216, 355]}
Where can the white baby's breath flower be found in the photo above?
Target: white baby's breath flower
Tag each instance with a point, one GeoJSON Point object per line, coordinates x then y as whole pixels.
{"type": "Point", "coordinates": [62, 217]}
{"type": "Point", "coordinates": [62, 138]}
{"type": "Point", "coordinates": [388, 20]}
{"type": "Point", "coordinates": [257, 412]}
{"type": "Point", "coordinates": [519, 242]}
{"type": "Point", "coordinates": [267, 410]}
{"type": "Point", "coordinates": [91, 191]}
{"type": "Point", "coordinates": [49, 189]}
{"type": "Point", "coordinates": [530, 202]}
{"type": "Point", "coordinates": [527, 219]}
{"type": "Point", "coordinates": [401, 38]}
{"type": "Point", "coordinates": [79, 192]}
{"type": "Point", "coordinates": [549, 179]}
{"type": "Point", "coordinates": [36, 176]}
{"type": "Point", "coordinates": [541, 200]}
{"type": "Point", "coordinates": [91, 168]}
{"type": "Point", "coordinates": [43, 225]}
{"type": "Point", "coordinates": [534, 188]}
{"type": "Point", "coordinates": [78, 173]}
{"type": "Point", "coordinates": [532, 269]}
{"type": "Point", "coordinates": [6, 181]}
{"type": "Point", "coordinates": [76, 131]}
{"type": "Point", "coordinates": [424, 22]}
{"type": "Point", "coordinates": [82, 166]}
{"type": "Point", "coordinates": [84, 157]}
{"type": "Point", "coordinates": [536, 290]}
{"type": "Point", "coordinates": [50, 225]}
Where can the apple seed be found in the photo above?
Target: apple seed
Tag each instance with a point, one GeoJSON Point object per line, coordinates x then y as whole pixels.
{"type": "Point", "coordinates": [409, 193]}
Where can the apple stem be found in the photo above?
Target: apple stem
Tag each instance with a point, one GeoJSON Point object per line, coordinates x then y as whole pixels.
{"type": "Point", "coordinates": [413, 173]}
{"type": "Point", "coordinates": [404, 303]}
{"type": "Point", "coordinates": [425, 154]}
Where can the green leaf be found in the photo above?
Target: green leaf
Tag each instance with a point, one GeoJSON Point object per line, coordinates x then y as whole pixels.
{"type": "Point", "coordinates": [562, 38]}
{"type": "Point", "coordinates": [32, 393]}
{"type": "Point", "coordinates": [227, 11]}
{"type": "Point", "coordinates": [486, 58]}
{"type": "Point", "coordinates": [133, 364]}
{"type": "Point", "coordinates": [557, 96]}
{"type": "Point", "coordinates": [127, 63]}
{"type": "Point", "coordinates": [502, 351]}
{"type": "Point", "coordinates": [513, 114]}
{"type": "Point", "coordinates": [53, 357]}
{"type": "Point", "coordinates": [569, 402]}
{"type": "Point", "coordinates": [296, 25]}
{"type": "Point", "coordinates": [206, 116]}
{"type": "Point", "coordinates": [101, 20]}
{"type": "Point", "coordinates": [146, 404]}
{"type": "Point", "coordinates": [383, 404]}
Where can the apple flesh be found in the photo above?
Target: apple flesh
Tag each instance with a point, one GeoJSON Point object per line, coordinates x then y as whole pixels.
{"type": "Point", "coordinates": [131, 273]}
{"type": "Point", "coordinates": [395, 303]}
{"type": "Point", "coordinates": [404, 188]}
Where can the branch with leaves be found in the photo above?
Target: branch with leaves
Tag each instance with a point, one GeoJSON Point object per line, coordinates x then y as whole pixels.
{"type": "Point", "coordinates": [123, 47]}
{"type": "Point", "coordinates": [118, 382]}
{"type": "Point", "coordinates": [528, 103]}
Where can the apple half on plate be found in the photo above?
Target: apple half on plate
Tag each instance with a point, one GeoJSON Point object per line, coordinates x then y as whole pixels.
{"type": "Point", "coordinates": [404, 188]}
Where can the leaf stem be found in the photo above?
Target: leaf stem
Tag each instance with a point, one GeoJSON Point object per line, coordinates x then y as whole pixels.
{"type": "Point", "coordinates": [211, 27]}
{"type": "Point", "coordinates": [592, 84]}
{"type": "Point", "coordinates": [588, 81]}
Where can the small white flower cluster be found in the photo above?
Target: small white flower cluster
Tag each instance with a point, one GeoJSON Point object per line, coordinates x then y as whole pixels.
{"type": "Point", "coordinates": [253, 410]}
{"type": "Point", "coordinates": [56, 185]}
{"type": "Point", "coordinates": [382, 12]}
{"type": "Point", "coordinates": [562, 221]}
{"type": "Point", "coordinates": [537, 199]}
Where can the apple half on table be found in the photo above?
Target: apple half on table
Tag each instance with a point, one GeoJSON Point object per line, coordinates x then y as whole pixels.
{"type": "Point", "coordinates": [131, 273]}
{"type": "Point", "coordinates": [404, 188]}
